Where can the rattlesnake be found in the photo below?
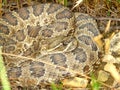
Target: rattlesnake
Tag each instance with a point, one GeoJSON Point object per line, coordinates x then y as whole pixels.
{"type": "Point", "coordinates": [55, 41]}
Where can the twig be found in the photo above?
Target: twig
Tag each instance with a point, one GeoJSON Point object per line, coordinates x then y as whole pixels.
{"type": "Point", "coordinates": [106, 18]}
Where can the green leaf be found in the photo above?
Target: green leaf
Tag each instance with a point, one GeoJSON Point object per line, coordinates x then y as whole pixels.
{"type": "Point", "coordinates": [56, 87]}
{"type": "Point", "coordinates": [108, 13]}
{"type": "Point", "coordinates": [94, 83]}
{"type": "Point", "coordinates": [118, 1]}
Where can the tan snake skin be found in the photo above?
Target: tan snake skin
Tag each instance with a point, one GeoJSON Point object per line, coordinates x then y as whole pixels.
{"type": "Point", "coordinates": [54, 36]}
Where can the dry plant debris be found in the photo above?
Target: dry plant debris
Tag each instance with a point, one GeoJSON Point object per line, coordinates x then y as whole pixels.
{"type": "Point", "coordinates": [76, 82]}
{"type": "Point", "coordinates": [113, 71]}
{"type": "Point", "coordinates": [103, 76]}
{"type": "Point", "coordinates": [109, 58]}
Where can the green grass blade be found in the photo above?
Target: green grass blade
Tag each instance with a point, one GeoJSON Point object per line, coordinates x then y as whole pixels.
{"type": "Point", "coordinates": [65, 2]}
{"type": "Point", "coordinates": [3, 74]}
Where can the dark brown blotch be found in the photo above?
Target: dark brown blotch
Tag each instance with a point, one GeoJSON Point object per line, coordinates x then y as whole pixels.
{"type": "Point", "coordinates": [8, 17]}
{"type": "Point", "coordinates": [23, 13]}
{"type": "Point", "coordinates": [2, 41]}
{"type": "Point", "coordinates": [38, 9]}
{"type": "Point", "coordinates": [83, 17]}
{"type": "Point", "coordinates": [9, 41]}
{"type": "Point", "coordinates": [53, 8]}
{"type": "Point", "coordinates": [64, 14]}
{"type": "Point", "coordinates": [33, 31]}
{"type": "Point", "coordinates": [20, 36]}
{"type": "Point", "coordinates": [59, 26]}
{"type": "Point", "coordinates": [80, 55]}
{"type": "Point", "coordinates": [14, 72]}
{"type": "Point", "coordinates": [36, 45]}
{"type": "Point", "coordinates": [88, 41]}
{"type": "Point", "coordinates": [90, 27]}
{"type": "Point", "coordinates": [47, 33]}
{"type": "Point", "coordinates": [37, 69]}
{"type": "Point", "coordinates": [59, 59]}
{"type": "Point", "coordinates": [86, 69]}
{"type": "Point", "coordinates": [4, 29]}
{"type": "Point", "coordinates": [92, 57]}
{"type": "Point", "coordinates": [9, 49]}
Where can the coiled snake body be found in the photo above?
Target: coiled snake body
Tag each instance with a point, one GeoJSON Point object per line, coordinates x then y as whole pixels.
{"type": "Point", "coordinates": [51, 34]}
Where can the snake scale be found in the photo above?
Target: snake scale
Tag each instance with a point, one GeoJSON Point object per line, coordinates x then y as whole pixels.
{"type": "Point", "coordinates": [53, 38]}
